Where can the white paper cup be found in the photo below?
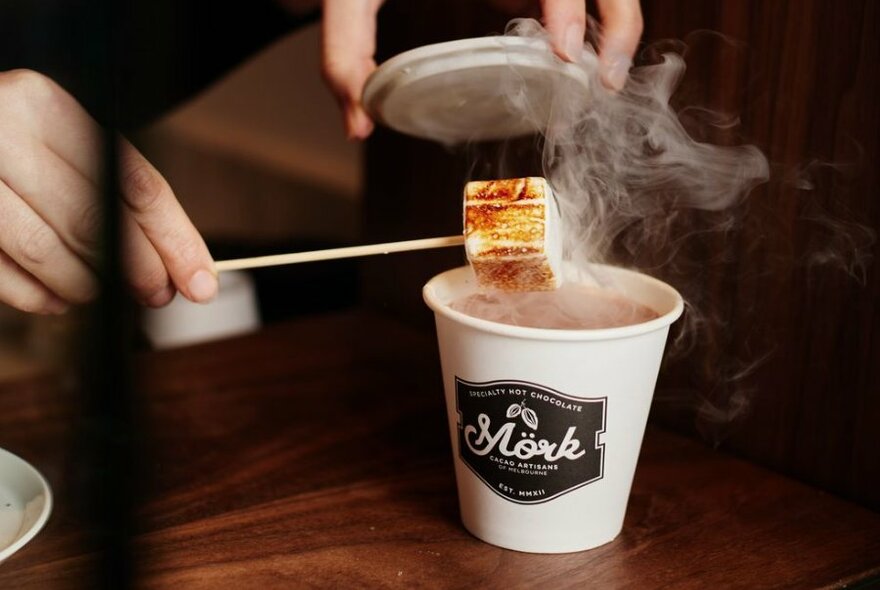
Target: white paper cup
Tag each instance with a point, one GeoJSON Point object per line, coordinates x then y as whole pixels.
{"type": "Point", "coordinates": [182, 323]}
{"type": "Point", "coordinates": [588, 392]}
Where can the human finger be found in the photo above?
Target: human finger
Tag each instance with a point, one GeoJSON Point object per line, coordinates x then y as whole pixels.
{"type": "Point", "coordinates": [22, 291]}
{"type": "Point", "coordinates": [622, 27]}
{"type": "Point", "coordinates": [143, 267]}
{"type": "Point", "coordinates": [37, 248]}
{"type": "Point", "coordinates": [566, 23]}
{"type": "Point", "coordinates": [348, 46]}
{"type": "Point", "coordinates": [65, 199]}
{"type": "Point", "coordinates": [154, 207]}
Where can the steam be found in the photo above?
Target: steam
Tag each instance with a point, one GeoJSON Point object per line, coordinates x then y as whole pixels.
{"type": "Point", "coordinates": [837, 240]}
{"type": "Point", "coordinates": [620, 160]}
{"type": "Point", "coordinates": [560, 309]}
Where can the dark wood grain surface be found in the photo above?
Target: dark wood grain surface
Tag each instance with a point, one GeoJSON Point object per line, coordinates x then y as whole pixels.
{"type": "Point", "coordinates": [785, 369]}
{"type": "Point", "coordinates": [315, 454]}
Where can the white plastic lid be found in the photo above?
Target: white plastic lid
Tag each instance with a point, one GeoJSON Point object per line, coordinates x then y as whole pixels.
{"type": "Point", "coordinates": [452, 92]}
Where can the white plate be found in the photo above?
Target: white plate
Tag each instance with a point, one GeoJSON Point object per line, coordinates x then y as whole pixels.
{"type": "Point", "coordinates": [25, 503]}
{"type": "Point", "coordinates": [451, 92]}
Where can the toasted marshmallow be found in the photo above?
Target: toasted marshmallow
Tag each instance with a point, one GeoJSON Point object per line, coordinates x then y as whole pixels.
{"type": "Point", "coordinates": [512, 234]}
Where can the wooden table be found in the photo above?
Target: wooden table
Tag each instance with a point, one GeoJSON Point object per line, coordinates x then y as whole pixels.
{"type": "Point", "coordinates": [315, 454]}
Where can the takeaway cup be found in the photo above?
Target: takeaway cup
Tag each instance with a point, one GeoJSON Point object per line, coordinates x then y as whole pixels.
{"type": "Point", "coordinates": [546, 424]}
{"type": "Point", "coordinates": [181, 323]}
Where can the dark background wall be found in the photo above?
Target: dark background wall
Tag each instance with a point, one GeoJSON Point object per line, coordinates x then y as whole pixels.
{"type": "Point", "coordinates": [784, 367]}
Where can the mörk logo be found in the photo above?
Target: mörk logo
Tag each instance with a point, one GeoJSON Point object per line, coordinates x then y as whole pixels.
{"type": "Point", "coordinates": [529, 443]}
{"type": "Point", "coordinates": [527, 448]}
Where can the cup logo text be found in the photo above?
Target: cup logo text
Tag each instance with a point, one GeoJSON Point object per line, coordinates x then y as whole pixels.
{"type": "Point", "coordinates": [526, 448]}
{"type": "Point", "coordinates": [527, 442]}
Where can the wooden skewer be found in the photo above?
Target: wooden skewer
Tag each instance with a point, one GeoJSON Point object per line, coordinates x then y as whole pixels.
{"type": "Point", "coordinates": [334, 253]}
